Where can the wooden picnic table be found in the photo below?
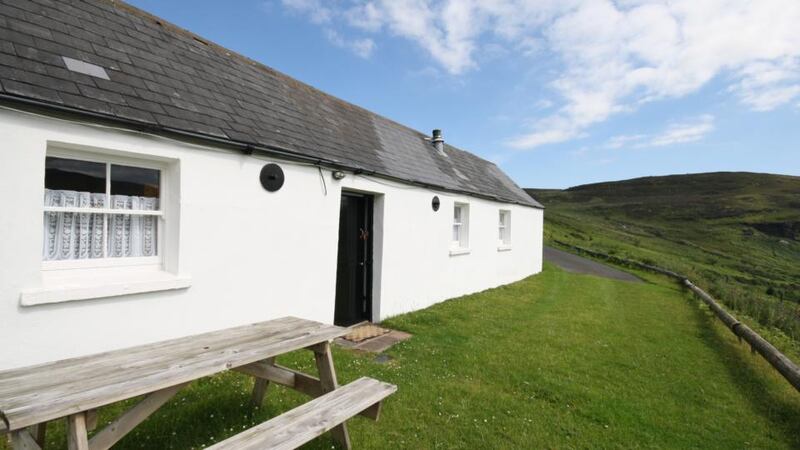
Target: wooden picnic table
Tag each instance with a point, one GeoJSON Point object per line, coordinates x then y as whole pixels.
{"type": "Point", "coordinates": [74, 389]}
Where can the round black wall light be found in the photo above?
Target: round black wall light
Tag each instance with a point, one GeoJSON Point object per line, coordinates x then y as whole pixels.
{"type": "Point", "coordinates": [271, 177]}
{"type": "Point", "coordinates": [435, 203]}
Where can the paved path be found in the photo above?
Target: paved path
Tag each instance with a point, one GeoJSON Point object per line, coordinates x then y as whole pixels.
{"type": "Point", "coordinates": [577, 264]}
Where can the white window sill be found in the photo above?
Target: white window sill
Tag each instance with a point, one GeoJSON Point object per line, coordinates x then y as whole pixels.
{"type": "Point", "coordinates": [459, 251]}
{"type": "Point", "coordinates": [101, 284]}
{"type": "Point", "coordinates": [503, 248]}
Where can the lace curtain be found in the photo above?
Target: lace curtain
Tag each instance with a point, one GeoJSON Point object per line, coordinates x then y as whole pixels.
{"type": "Point", "coordinates": [80, 235]}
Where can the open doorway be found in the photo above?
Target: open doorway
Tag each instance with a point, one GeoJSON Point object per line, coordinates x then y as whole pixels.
{"type": "Point", "coordinates": [354, 261]}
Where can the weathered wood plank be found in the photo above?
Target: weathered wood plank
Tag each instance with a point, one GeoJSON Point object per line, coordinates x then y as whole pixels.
{"type": "Point", "coordinates": [49, 391]}
{"type": "Point", "coordinates": [91, 419]}
{"type": "Point", "coordinates": [373, 412]}
{"type": "Point", "coordinates": [22, 440]}
{"type": "Point", "coordinates": [136, 358]}
{"type": "Point", "coordinates": [298, 381]}
{"type": "Point", "coordinates": [117, 429]}
{"type": "Point", "coordinates": [260, 386]}
{"type": "Point", "coordinates": [39, 433]}
{"type": "Point", "coordinates": [312, 419]}
{"type": "Point", "coordinates": [77, 437]}
{"type": "Point", "coordinates": [327, 378]}
{"type": "Point", "coordinates": [146, 356]}
{"type": "Point", "coordinates": [284, 376]}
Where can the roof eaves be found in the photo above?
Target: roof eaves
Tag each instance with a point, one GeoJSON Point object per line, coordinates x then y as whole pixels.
{"type": "Point", "coordinates": [244, 147]}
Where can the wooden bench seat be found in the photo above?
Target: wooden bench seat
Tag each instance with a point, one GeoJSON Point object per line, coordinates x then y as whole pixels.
{"type": "Point", "coordinates": [304, 423]}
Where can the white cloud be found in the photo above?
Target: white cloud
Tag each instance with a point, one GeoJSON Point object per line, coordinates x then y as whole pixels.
{"type": "Point", "coordinates": [542, 137]}
{"type": "Point", "coordinates": [619, 57]}
{"type": "Point", "coordinates": [612, 56]}
{"type": "Point", "coordinates": [766, 85]}
{"type": "Point", "coordinates": [682, 132]}
{"type": "Point", "coordinates": [367, 17]}
{"type": "Point", "coordinates": [361, 47]}
{"type": "Point", "coordinates": [624, 140]}
{"type": "Point", "coordinates": [312, 8]}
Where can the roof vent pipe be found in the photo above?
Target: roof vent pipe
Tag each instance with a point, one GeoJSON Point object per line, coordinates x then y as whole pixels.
{"type": "Point", "coordinates": [438, 141]}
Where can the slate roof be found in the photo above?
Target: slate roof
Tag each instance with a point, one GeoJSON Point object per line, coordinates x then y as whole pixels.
{"type": "Point", "coordinates": [164, 76]}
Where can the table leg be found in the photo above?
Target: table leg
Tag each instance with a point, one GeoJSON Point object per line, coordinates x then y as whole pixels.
{"type": "Point", "coordinates": [40, 433]}
{"type": "Point", "coordinates": [91, 419]}
{"type": "Point", "coordinates": [327, 378]}
{"type": "Point", "coordinates": [22, 440]}
{"type": "Point", "coordinates": [77, 437]}
{"type": "Point", "coordinates": [260, 386]}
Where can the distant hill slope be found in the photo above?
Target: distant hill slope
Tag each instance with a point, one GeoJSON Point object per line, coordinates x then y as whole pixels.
{"type": "Point", "coordinates": [737, 233]}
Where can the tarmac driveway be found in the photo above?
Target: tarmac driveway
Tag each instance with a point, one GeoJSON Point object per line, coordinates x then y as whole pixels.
{"type": "Point", "coordinates": [577, 264]}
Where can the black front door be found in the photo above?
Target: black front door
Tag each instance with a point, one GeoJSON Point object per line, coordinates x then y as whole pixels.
{"type": "Point", "coordinates": [354, 266]}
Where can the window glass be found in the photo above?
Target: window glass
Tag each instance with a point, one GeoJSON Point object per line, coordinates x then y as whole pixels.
{"type": "Point", "coordinates": [132, 236]}
{"type": "Point", "coordinates": [504, 227]}
{"type": "Point", "coordinates": [74, 235]}
{"type": "Point", "coordinates": [64, 174]}
{"type": "Point", "coordinates": [460, 225]}
{"type": "Point", "coordinates": [134, 181]}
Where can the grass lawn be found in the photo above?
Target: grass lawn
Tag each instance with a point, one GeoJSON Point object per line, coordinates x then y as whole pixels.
{"type": "Point", "coordinates": [555, 361]}
{"type": "Point", "coordinates": [737, 235]}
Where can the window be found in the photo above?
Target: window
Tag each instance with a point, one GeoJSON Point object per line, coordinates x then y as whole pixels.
{"type": "Point", "coordinates": [460, 226]}
{"type": "Point", "coordinates": [101, 212]}
{"type": "Point", "coordinates": [504, 228]}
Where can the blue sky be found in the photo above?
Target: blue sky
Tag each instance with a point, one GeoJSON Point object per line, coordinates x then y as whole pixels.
{"type": "Point", "coordinates": [558, 93]}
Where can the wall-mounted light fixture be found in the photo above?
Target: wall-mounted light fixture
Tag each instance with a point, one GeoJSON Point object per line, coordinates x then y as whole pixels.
{"type": "Point", "coordinates": [338, 175]}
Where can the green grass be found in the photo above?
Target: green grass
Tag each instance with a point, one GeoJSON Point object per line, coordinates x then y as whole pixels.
{"type": "Point", "coordinates": [735, 234]}
{"type": "Point", "coordinates": [555, 361]}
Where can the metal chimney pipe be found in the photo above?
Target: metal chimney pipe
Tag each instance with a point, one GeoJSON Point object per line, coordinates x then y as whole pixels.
{"type": "Point", "coordinates": [437, 140]}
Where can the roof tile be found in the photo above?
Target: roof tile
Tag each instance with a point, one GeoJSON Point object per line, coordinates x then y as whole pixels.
{"type": "Point", "coordinates": [29, 28]}
{"type": "Point", "coordinates": [133, 114]}
{"type": "Point", "coordinates": [29, 90]}
{"type": "Point", "coordinates": [102, 50]}
{"type": "Point", "coordinates": [102, 95]}
{"type": "Point", "coordinates": [27, 52]}
{"type": "Point", "coordinates": [87, 103]}
{"type": "Point", "coordinates": [9, 35]}
{"type": "Point", "coordinates": [69, 75]}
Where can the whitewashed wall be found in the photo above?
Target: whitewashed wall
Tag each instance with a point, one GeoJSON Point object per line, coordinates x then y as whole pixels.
{"type": "Point", "coordinates": [251, 255]}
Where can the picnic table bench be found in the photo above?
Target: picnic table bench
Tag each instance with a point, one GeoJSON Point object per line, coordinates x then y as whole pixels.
{"type": "Point", "coordinates": [74, 389]}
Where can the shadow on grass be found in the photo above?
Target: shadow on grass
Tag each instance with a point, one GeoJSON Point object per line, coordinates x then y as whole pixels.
{"type": "Point", "coordinates": [204, 414]}
{"type": "Point", "coordinates": [781, 410]}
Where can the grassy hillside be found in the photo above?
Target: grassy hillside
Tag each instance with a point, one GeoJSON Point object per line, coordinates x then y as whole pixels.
{"type": "Point", "coordinates": [554, 361]}
{"type": "Point", "coordinates": [737, 234]}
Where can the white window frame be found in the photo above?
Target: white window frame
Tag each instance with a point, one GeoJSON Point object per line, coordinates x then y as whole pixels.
{"type": "Point", "coordinates": [504, 229]}
{"type": "Point", "coordinates": [460, 244]}
{"type": "Point", "coordinates": [109, 159]}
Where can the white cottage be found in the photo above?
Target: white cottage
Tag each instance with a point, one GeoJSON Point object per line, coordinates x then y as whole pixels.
{"type": "Point", "coordinates": [157, 185]}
